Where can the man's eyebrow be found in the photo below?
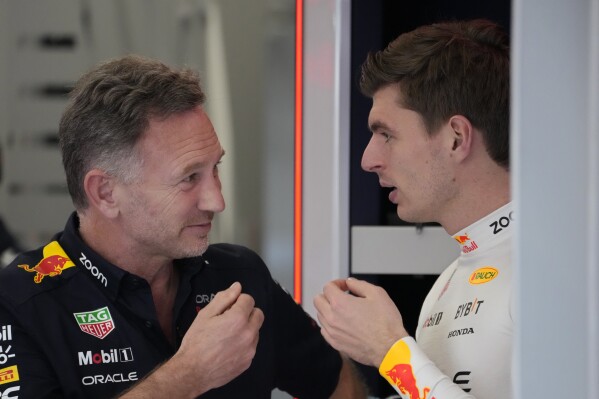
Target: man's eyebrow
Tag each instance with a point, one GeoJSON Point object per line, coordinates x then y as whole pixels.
{"type": "Point", "coordinates": [199, 165]}
{"type": "Point", "coordinates": [378, 125]}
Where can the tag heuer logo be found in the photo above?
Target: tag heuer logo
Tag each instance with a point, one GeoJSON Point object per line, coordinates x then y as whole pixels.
{"type": "Point", "coordinates": [95, 322]}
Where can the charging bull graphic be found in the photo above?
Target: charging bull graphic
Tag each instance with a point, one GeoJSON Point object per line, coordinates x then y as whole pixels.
{"type": "Point", "coordinates": [397, 369]}
{"type": "Point", "coordinates": [462, 239]}
{"type": "Point", "coordinates": [55, 260]}
{"type": "Point", "coordinates": [403, 377]}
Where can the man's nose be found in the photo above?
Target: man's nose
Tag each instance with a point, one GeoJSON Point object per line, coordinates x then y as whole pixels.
{"type": "Point", "coordinates": [211, 196]}
{"type": "Point", "coordinates": [370, 157]}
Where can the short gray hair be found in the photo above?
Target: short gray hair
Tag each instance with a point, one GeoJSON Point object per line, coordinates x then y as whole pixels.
{"type": "Point", "coordinates": [109, 110]}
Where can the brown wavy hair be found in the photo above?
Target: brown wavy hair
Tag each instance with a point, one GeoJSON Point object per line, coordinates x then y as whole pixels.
{"type": "Point", "coordinates": [450, 68]}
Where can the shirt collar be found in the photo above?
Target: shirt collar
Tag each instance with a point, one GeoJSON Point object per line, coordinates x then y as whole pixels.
{"type": "Point", "coordinates": [104, 274]}
{"type": "Point", "coordinates": [108, 277]}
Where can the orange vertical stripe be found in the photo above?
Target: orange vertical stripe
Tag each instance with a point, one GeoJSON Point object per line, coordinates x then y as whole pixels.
{"type": "Point", "coordinates": [297, 187]}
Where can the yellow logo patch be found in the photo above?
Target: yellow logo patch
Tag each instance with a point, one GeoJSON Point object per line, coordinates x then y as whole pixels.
{"type": "Point", "coordinates": [54, 262]}
{"type": "Point", "coordinates": [483, 275]}
{"type": "Point", "coordinates": [8, 375]}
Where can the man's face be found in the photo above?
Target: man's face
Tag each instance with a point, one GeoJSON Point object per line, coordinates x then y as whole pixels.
{"type": "Point", "coordinates": [168, 211]}
{"type": "Point", "coordinates": [407, 159]}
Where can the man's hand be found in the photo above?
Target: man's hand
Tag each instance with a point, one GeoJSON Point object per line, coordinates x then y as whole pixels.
{"type": "Point", "coordinates": [219, 345]}
{"type": "Point", "coordinates": [363, 326]}
{"type": "Point", "coordinates": [221, 342]}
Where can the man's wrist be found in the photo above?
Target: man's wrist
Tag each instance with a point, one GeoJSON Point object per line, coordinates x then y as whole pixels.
{"type": "Point", "coordinates": [387, 346]}
{"type": "Point", "coordinates": [166, 381]}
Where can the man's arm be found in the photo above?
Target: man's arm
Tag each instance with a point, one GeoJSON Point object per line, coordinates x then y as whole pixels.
{"type": "Point", "coordinates": [350, 385]}
{"type": "Point", "coordinates": [219, 345]}
{"type": "Point", "coordinates": [364, 325]}
{"type": "Point", "coordinates": [368, 327]}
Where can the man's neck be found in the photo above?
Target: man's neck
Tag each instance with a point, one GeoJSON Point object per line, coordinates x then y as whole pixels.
{"type": "Point", "coordinates": [108, 241]}
{"type": "Point", "coordinates": [486, 192]}
{"type": "Point", "coordinates": [160, 273]}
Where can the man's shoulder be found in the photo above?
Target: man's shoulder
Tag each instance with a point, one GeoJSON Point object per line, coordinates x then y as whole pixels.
{"type": "Point", "coordinates": [232, 255]}
{"type": "Point", "coordinates": [34, 272]}
{"type": "Point", "coordinates": [235, 261]}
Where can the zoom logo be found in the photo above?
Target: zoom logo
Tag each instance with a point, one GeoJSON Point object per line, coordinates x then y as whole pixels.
{"type": "Point", "coordinates": [502, 223]}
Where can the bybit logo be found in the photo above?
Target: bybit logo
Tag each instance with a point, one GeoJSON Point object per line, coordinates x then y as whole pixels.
{"type": "Point", "coordinates": [468, 308]}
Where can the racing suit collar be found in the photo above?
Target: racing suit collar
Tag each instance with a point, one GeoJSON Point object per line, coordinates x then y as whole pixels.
{"type": "Point", "coordinates": [485, 232]}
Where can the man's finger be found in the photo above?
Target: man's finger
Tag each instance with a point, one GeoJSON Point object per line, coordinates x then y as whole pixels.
{"type": "Point", "coordinates": [223, 300]}
{"type": "Point", "coordinates": [332, 289]}
{"type": "Point", "coordinates": [359, 288]}
{"type": "Point", "coordinates": [341, 284]}
{"type": "Point", "coordinates": [244, 304]}
{"type": "Point", "coordinates": [256, 318]}
{"type": "Point", "coordinates": [321, 307]}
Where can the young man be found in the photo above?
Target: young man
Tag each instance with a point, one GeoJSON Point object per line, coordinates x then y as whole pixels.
{"type": "Point", "coordinates": [439, 122]}
{"type": "Point", "coordinates": [130, 298]}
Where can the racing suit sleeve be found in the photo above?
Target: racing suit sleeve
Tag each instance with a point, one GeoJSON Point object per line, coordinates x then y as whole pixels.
{"type": "Point", "coordinates": [414, 375]}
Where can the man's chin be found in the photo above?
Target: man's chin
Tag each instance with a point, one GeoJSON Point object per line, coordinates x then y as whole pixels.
{"type": "Point", "coordinates": [408, 217]}
{"type": "Point", "coordinates": [198, 250]}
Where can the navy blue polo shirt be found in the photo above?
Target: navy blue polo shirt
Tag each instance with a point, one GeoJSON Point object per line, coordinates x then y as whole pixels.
{"type": "Point", "coordinates": [72, 325]}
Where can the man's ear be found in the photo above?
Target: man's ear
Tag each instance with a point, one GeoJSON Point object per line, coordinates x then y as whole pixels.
{"type": "Point", "coordinates": [461, 136]}
{"type": "Point", "coordinates": [99, 188]}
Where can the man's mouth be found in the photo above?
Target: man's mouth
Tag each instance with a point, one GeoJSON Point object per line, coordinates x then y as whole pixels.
{"type": "Point", "coordinates": [392, 190]}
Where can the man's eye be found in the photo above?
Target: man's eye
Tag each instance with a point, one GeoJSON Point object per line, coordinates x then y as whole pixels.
{"type": "Point", "coordinates": [190, 178]}
{"type": "Point", "coordinates": [386, 136]}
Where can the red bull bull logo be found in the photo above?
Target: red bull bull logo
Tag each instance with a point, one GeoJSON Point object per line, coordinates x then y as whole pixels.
{"type": "Point", "coordinates": [55, 260]}
{"type": "Point", "coordinates": [462, 239]}
{"type": "Point", "coordinates": [403, 377]}
{"type": "Point", "coordinates": [468, 245]}
{"type": "Point", "coordinates": [397, 369]}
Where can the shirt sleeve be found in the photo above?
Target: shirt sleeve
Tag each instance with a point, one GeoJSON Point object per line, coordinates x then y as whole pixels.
{"type": "Point", "coordinates": [308, 367]}
{"type": "Point", "coordinates": [414, 375]}
{"type": "Point", "coordinates": [24, 370]}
